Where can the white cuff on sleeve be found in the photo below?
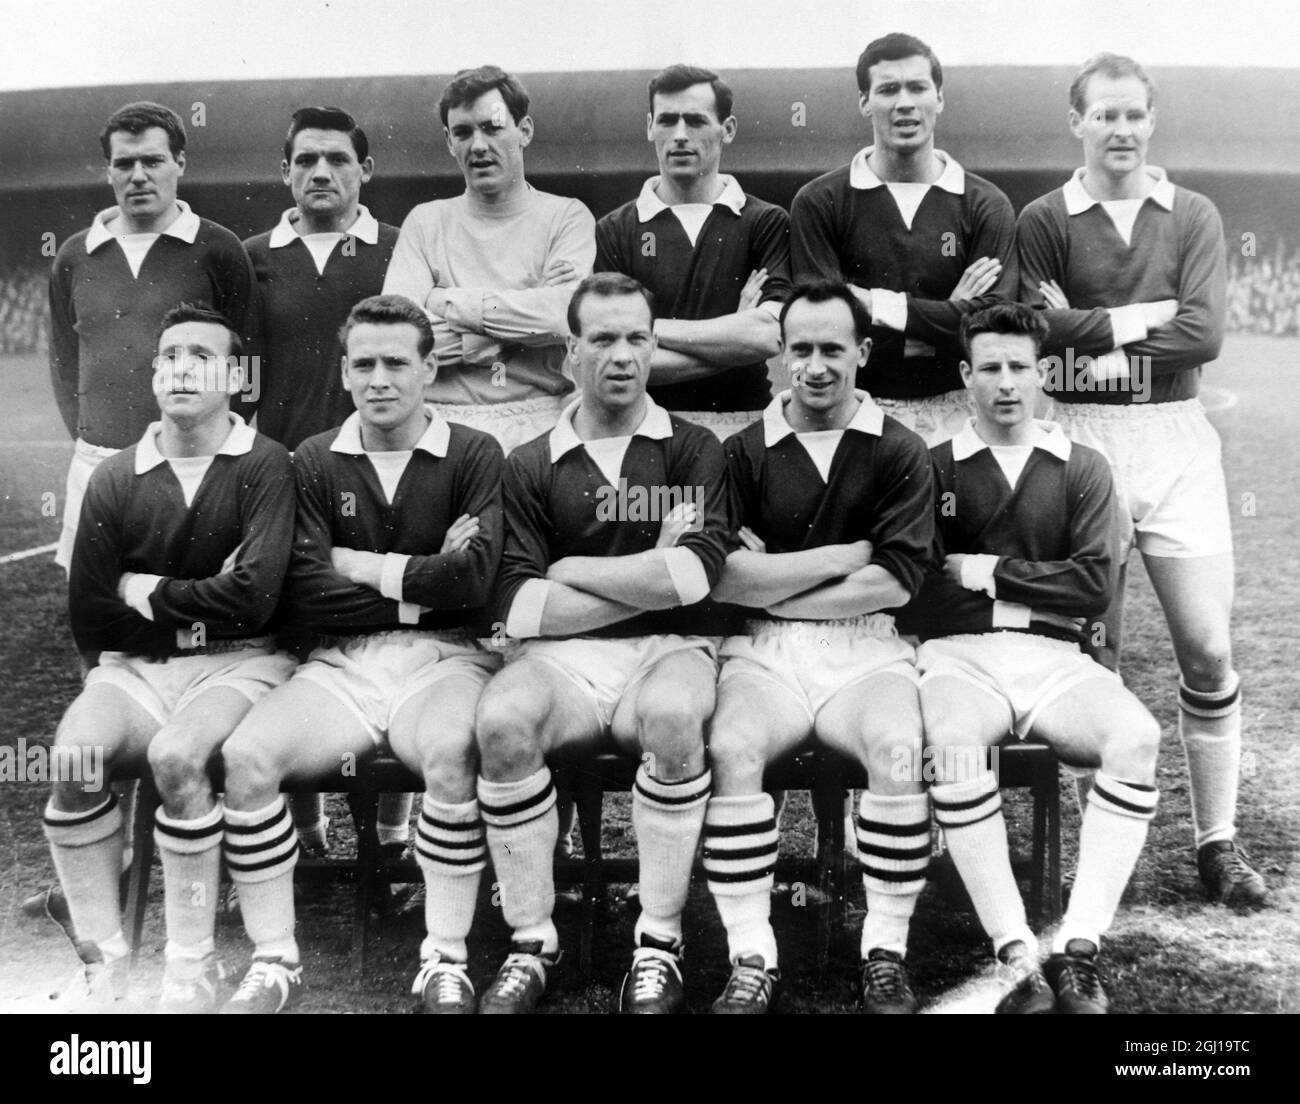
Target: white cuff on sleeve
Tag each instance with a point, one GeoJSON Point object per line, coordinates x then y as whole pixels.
{"type": "Point", "coordinates": [1110, 366]}
{"type": "Point", "coordinates": [1128, 323]}
{"type": "Point", "coordinates": [525, 617]}
{"type": "Point", "coordinates": [465, 308]}
{"type": "Point", "coordinates": [977, 573]}
{"type": "Point", "coordinates": [1010, 615]}
{"type": "Point", "coordinates": [889, 308]}
{"type": "Point", "coordinates": [687, 573]}
{"type": "Point", "coordinates": [136, 594]}
{"type": "Point", "coordinates": [390, 576]}
{"type": "Point", "coordinates": [408, 613]}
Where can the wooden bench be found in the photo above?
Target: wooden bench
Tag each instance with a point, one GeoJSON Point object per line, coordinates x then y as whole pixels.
{"type": "Point", "coordinates": [587, 779]}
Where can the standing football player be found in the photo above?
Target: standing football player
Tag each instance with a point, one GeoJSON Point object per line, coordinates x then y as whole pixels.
{"type": "Point", "coordinates": [1131, 270]}
{"type": "Point", "coordinates": [921, 240]}
{"type": "Point", "coordinates": [396, 547]}
{"type": "Point", "coordinates": [599, 585]}
{"type": "Point", "coordinates": [831, 500]}
{"type": "Point", "coordinates": [716, 259]}
{"type": "Point", "coordinates": [176, 572]}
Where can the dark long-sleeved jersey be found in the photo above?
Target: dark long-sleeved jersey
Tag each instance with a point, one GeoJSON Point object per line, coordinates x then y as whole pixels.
{"type": "Point", "coordinates": [1054, 536]}
{"type": "Point", "coordinates": [453, 470]}
{"type": "Point", "coordinates": [134, 519]}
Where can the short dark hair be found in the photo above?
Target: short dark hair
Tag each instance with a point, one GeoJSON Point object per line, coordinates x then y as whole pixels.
{"type": "Point", "coordinates": [389, 310]}
{"type": "Point", "coordinates": [606, 285]}
{"type": "Point", "coordinates": [1108, 65]}
{"type": "Point", "coordinates": [823, 291]}
{"type": "Point", "coordinates": [1004, 318]}
{"type": "Point", "coordinates": [678, 78]}
{"type": "Point", "coordinates": [469, 84]}
{"type": "Point", "coordinates": [136, 118]}
{"type": "Point", "coordinates": [200, 312]}
{"type": "Point", "coordinates": [895, 47]}
{"type": "Point", "coordinates": [326, 118]}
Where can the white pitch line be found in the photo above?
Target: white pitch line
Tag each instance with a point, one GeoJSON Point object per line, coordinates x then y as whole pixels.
{"type": "Point", "coordinates": [28, 553]}
{"type": "Point", "coordinates": [979, 995]}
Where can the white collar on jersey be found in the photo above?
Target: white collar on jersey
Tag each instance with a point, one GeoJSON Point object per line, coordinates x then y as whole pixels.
{"type": "Point", "coordinates": [564, 438]}
{"type": "Point", "coordinates": [184, 227]}
{"type": "Point", "coordinates": [366, 228]}
{"type": "Point", "coordinates": [648, 204]}
{"type": "Point", "coordinates": [1077, 199]}
{"type": "Point", "coordinates": [952, 179]}
{"type": "Point", "coordinates": [869, 418]}
{"type": "Point", "coordinates": [967, 442]}
{"type": "Point", "coordinates": [238, 441]}
{"type": "Point", "coordinates": [435, 439]}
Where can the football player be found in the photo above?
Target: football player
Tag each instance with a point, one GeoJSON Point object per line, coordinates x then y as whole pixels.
{"type": "Point", "coordinates": [176, 571]}
{"type": "Point", "coordinates": [396, 546]}
{"type": "Point", "coordinates": [1130, 268]}
{"type": "Point", "coordinates": [615, 526]}
{"type": "Point", "coordinates": [1025, 552]}
{"type": "Point", "coordinates": [832, 506]}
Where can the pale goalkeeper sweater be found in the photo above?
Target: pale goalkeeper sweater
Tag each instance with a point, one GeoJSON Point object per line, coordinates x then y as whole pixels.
{"type": "Point", "coordinates": [501, 338]}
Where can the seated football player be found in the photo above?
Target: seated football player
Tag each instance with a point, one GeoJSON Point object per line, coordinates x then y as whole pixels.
{"type": "Point", "coordinates": [615, 530]}
{"type": "Point", "coordinates": [396, 547]}
{"type": "Point", "coordinates": [832, 507]}
{"type": "Point", "coordinates": [1025, 553]}
{"type": "Point", "coordinates": [179, 557]}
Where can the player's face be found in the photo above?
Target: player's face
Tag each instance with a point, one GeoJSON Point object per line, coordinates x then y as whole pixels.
{"type": "Point", "coordinates": [687, 134]}
{"type": "Point", "coordinates": [488, 144]}
{"type": "Point", "coordinates": [1115, 126]}
{"type": "Point", "coordinates": [611, 356]}
{"type": "Point", "coordinates": [324, 173]}
{"type": "Point", "coordinates": [822, 354]}
{"type": "Point", "coordinates": [193, 376]}
{"type": "Point", "coordinates": [902, 103]}
{"type": "Point", "coordinates": [1004, 376]}
{"type": "Point", "coordinates": [386, 375]}
{"type": "Point", "coordinates": [144, 174]}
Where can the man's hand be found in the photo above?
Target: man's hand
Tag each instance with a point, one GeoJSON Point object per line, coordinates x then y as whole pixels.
{"type": "Point", "coordinates": [461, 531]}
{"type": "Point", "coordinates": [362, 568]}
{"type": "Point", "coordinates": [952, 566]}
{"type": "Point", "coordinates": [752, 292]}
{"type": "Point", "coordinates": [977, 279]}
{"type": "Point", "coordinates": [751, 540]}
{"type": "Point", "coordinates": [558, 272]}
{"type": "Point", "coordinates": [852, 557]}
{"type": "Point", "coordinates": [1052, 295]}
{"type": "Point", "coordinates": [679, 521]}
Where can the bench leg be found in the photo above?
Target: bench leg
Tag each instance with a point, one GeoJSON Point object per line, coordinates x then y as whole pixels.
{"type": "Point", "coordinates": [1056, 908]}
{"type": "Point", "coordinates": [365, 814]}
{"type": "Point", "coordinates": [137, 886]}
{"type": "Point", "coordinates": [589, 800]}
{"type": "Point", "coordinates": [829, 803]}
{"type": "Point", "coordinates": [1038, 863]}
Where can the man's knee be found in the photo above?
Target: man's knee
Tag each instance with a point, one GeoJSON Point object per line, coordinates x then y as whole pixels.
{"type": "Point", "coordinates": [737, 754]}
{"type": "Point", "coordinates": [449, 767]}
{"type": "Point", "coordinates": [1129, 751]}
{"type": "Point", "coordinates": [1207, 660]}
{"type": "Point", "coordinates": [252, 769]}
{"type": "Point", "coordinates": [673, 732]}
{"type": "Point", "coordinates": [179, 763]}
{"type": "Point", "coordinates": [507, 730]}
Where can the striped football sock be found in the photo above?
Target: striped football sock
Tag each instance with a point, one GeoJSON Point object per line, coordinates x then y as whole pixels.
{"type": "Point", "coordinates": [261, 849]}
{"type": "Point", "coordinates": [1110, 840]}
{"type": "Point", "coordinates": [894, 850]}
{"type": "Point", "coordinates": [970, 814]}
{"type": "Point", "coordinates": [667, 818]}
{"type": "Point", "coordinates": [451, 851]}
{"type": "Point", "coordinates": [740, 845]}
{"type": "Point", "coordinates": [1209, 725]}
{"type": "Point", "coordinates": [522, 827]}
{"type": "Point", "coordinates": [87, 850]}
{"type": "Point", "coordinates": [191, 860]}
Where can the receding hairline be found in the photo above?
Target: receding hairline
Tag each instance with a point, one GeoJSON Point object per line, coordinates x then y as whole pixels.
{"type": "Point", "coordinates": [230, 334]}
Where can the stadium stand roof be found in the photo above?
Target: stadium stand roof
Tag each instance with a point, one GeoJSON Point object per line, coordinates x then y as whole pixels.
{"type": "Point", "coordinates": [997, 119]}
